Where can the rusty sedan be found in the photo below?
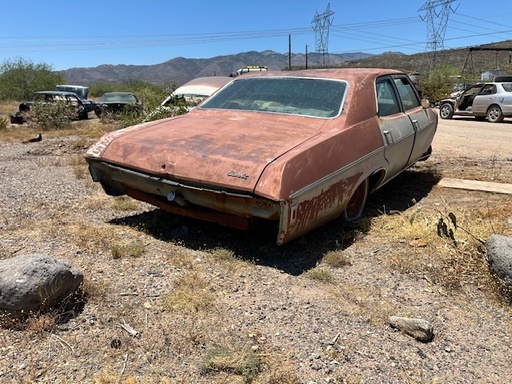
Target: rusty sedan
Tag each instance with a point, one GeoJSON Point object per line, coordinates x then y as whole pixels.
{"type": "Point", "coordinates": [292, 149]}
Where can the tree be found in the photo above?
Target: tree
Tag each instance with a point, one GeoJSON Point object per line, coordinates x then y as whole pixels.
{"type": "Point", "coordinates": [20, 78]}
{"type": "Point", "coordinates": [438, 83]}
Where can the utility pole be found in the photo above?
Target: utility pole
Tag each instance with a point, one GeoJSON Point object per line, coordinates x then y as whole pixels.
{"type": "Point", "coordinates": [290, 52]}
{"type": "Point", "coordinates": [321, 24]}
{"type": "Point", "coordinates": [306, 56]}
{"type": "Point", "coordinates": [436, 16]}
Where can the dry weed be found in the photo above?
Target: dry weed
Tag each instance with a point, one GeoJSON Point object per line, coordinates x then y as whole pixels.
{"type": "Point", "coordinates": [336, 259]}
{"type": "Point", "coordinates": [447, 247]}
{"type": "Point", "coordinates": [232, 359]}
{"type": "Point", "coordinates": [320, 274]}
{"type": "Point", "coordinates": [367, 302]}
{"type": "Point", "coordinates": [191, 294]}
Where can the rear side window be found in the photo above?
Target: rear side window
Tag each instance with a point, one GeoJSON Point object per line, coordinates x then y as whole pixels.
{"type": "Point", "coordinates": [507, 87]}
{"type": "Point", "coordinates": [407, 94]}
{"type": "Point", "coordinates": [386, 98]}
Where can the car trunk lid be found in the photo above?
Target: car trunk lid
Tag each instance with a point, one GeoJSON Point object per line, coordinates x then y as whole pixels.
{"type": "Point", "coordinates": [214, 148]}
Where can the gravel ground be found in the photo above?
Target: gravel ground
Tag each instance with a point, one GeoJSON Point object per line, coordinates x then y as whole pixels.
{"type": "Point", "coordinates": [249, 297]}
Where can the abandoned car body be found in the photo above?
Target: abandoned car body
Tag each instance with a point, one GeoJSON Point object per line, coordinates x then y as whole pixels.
{"type": "Point", "coordinates": [490, 100]}
{"type": "Point", "coordinates": [187, 96]}
{"type": "Point", "coordinates": [295, 148]}
{"type": "Point", "coordinates": [117, 102]}
{"type": "Point", "coordinates": [68, 103]}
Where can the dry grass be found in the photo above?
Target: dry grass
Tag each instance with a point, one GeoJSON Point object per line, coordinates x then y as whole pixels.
{"type": "Point", "coordinates": [320, 274]}
{"type": "Point", "coordinates": [233, 360]}
{"type": "Point", "coordinates": [191, 294]}
{"type": "Point", "coordinates": [452, 260]}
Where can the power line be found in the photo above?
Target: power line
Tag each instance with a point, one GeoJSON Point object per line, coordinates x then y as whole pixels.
{"type": "Point", "coordinates": [355, 31]}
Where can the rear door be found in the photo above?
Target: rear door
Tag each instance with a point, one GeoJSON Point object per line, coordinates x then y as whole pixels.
{"type": "Point", "coordinates": [396, 126]}
{"type": "Point", "coordinates": [484, 99]}
{"type": "Point", "coordinates": [419, 117]}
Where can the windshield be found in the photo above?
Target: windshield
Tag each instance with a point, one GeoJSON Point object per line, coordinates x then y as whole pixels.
{"type": "Point", "coordinates": [118, 98]}
{"type": "Point", "coordinates": [288, 95]}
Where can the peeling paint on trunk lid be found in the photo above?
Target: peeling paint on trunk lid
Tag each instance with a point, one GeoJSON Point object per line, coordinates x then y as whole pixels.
{"type": "Point", "coordinates": [208, 151]}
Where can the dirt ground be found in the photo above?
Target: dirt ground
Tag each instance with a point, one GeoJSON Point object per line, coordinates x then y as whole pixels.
{"type": "Point", "coordinates": [214, 305]}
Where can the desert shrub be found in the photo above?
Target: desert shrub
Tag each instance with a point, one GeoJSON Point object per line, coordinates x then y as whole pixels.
{"type": "Point", "coordinates": [50, 116]}
{"type": "Point", "coordinates": [3, 123]}
{"type": "Point", "coordinates": [436, 84]}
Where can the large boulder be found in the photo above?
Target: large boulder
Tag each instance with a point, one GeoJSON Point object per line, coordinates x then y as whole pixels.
{"type": "Point", "coordinates": [499, 255]}
{"type": "Point", "coordinates": [34, 283]}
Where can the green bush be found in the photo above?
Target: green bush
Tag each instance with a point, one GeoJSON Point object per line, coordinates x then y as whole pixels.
{"type": "Point", "coordinates": [20, 78]}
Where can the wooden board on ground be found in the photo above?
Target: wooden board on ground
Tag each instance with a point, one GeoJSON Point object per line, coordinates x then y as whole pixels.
{"type": "Point", "coordinates": [474, 185]}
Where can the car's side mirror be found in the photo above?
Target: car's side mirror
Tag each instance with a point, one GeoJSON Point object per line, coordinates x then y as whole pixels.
{"type": "Point", "coordinates": [425, 103]}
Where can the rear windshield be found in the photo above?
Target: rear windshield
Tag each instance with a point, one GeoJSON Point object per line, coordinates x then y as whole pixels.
{"type": "Point", "coordinates": [286, 95]}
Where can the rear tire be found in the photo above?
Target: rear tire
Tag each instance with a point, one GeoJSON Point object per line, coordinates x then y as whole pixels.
{"type": "Point", "coordinates": [355, 207]}
{"type": "Point", "coordinates": [494, 114]}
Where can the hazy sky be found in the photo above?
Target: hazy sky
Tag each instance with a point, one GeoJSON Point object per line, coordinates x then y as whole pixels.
{"type": "Point", "coordinates": [67, 34]}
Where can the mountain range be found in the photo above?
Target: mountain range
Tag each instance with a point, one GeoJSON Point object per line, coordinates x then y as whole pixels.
{"type": "Point", "coordinates": [179, 70]}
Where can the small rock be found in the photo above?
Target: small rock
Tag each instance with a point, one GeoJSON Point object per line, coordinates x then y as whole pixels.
{"type": "Point", "coordinates": [420, 329]}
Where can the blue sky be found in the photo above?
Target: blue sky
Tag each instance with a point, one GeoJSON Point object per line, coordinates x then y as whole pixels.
{"type": "Point", "coordinates": [67, 34]}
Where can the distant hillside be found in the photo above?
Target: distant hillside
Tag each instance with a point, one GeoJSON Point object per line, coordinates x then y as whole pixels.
{"type": "Point", "coordinates": [180, 70]}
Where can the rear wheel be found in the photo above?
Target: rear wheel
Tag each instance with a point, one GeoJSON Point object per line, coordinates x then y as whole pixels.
{"type": "Point", "coordinates": [494, 114]}
{"type": "Point", "coordinates": [446, 111]}
{"type": "Point", "coordinates": [355, 207]}
{"type": "Point", "coordinates": [83, 114]}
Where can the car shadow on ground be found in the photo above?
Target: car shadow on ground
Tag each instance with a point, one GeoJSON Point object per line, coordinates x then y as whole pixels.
{"type": "Point", "coordinates": [300, 254]}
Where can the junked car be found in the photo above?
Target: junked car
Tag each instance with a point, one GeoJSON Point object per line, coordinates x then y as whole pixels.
{"type": "Point", "coordinates": [117, 102]}
{"type": "Point", "coordinates": [198, 89]}
{"type": "Point", "coordinates": [187, 96]}
{"type": "Point", "coordinates": [81, 91]}
{"type": "Point", "coordinates": [491, 100]}
{"type": "Point", "coordinates": [291, 149]}
{"type": "Point", "coordinates": [69, 102]}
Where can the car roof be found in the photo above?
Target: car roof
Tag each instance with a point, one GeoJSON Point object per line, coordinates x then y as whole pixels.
{"type": "Point", "coordinates": [209, 81]}
{"type": "Point", "coordinates": [63, 93]}
{"type": "Point", "coordinates": [349, 74]}
{"type": "Point", "coordinates": [203, 85]}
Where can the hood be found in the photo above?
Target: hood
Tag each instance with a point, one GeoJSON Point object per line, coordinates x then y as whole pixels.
{"type": "Point", "coordinates": [216, 148]}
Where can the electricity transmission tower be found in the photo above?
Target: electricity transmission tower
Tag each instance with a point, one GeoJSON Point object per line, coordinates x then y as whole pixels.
{"type": "Point", "coordinates": [436, 16]}
{"type": "Point", "coordinates": [321, 23]}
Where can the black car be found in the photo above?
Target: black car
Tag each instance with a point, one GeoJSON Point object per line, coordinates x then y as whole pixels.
{"type": "Point", "coordinates": [117, 102]}
{"type": "Point", "coordinates": [76, 107]}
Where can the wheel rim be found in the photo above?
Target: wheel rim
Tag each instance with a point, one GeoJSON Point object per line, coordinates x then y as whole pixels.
{"type": "Point", "coordinates": [494, 114]}
{"type": "Point", "coordinates": [445, 111]}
